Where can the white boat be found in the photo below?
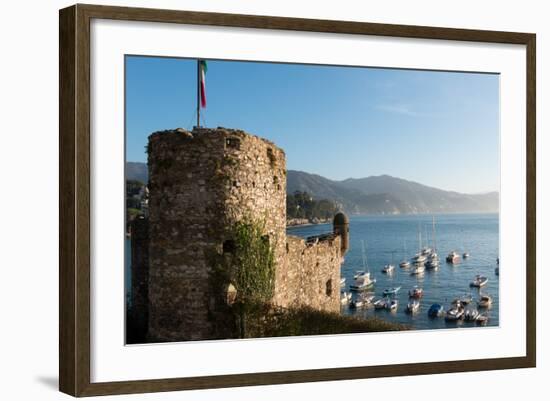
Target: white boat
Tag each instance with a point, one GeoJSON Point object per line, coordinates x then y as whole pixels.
{"type": "Point", "coordinates": [455, 313]}
{"type": "Point", "coordinates": [418, 268]}
{"type": "Point", "coordinates": [413, 306]}
{"type": "Point", "coordinates": [453, 258]}
{"type": "Point", "coordinates": [362, 280]}
{"type": "Point", "coordinates": [380, 303]}
{"type": "Point", "coordinates": [485, 301]}
{"type": "Point", "coordinates": [392, 304]}
{"type": "Point", "coordinates": [419, 259]}
{"type": "Point", "coordinates": [391, 291]}
{"type": "Point", "coordinates": [416, 292]}
{"type": "Point", "coordinates": [433, 258]}
{"type": "Point", "coordinates": [433, 261]}
{"type": "Point", "coordinates": [471, 314]}
{"type": "Point", "coordinates": [479, 281]}
{"type": "Point", "coordinates": [342, 282]}
{"type": "Point", "coordinates": [362, 300]}
{"type": "Point", "coordinates": [426, 251]}
{"type": "Point", "coordinates": [368, 297]}
{"type": "Point", "coordinates": [465, 255]}
{"type": "Point", "coordinates": [405, 264]}
{"type": "Point", "coordinates": [388, 269]}
{"type": "Point", "coordinates": [356, 303]}
{"type": "Point", "coordinates": [345, 297]}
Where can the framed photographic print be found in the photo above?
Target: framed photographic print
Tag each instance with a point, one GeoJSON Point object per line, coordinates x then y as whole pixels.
{"type": "Point", "coordinates": [250, 200]}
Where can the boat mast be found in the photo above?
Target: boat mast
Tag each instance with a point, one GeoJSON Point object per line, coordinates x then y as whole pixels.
{"type": "Point", "coordinates": [433, 233]}
{"type": "Point", "coordinates": [419, 238]}
{"type": "Point", "coordinates": [364, 254]}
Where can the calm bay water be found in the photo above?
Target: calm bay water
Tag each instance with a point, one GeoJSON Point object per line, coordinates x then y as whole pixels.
{"type": "Point", "coordinates": [396, 237]}
{"type": "Point", "coordinates": [385, 236]}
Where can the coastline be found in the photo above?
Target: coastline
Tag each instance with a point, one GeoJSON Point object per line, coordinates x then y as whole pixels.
{"type": "Point", "coordinates": [305, 222]}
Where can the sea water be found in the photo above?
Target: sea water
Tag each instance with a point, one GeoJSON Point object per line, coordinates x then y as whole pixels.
{"type": "Point", "coordinates": [390, 239]}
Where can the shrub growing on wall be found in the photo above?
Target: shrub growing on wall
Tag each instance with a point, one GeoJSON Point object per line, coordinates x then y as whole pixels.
{"type": "Point", "coordinates": [248, 263]}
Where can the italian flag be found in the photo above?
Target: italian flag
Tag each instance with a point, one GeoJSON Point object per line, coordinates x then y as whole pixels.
{"type": "Point", "coordinates": [202, 77]}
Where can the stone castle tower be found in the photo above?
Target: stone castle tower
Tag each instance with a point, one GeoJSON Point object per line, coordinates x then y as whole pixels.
{"type": "Point", "coordinates": [201, 183]}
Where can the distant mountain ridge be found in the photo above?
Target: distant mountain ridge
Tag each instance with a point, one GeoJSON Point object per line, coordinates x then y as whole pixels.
{"type": "Point", "coordinates": [382, 194]}
{"type": "Point", "coordinates": [137, 171]}
{"type": "Point", "coordinates": [385, 194]}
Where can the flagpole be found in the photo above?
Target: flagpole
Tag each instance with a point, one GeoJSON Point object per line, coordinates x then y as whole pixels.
{"type": "Point", "coordinates": [198, 93]}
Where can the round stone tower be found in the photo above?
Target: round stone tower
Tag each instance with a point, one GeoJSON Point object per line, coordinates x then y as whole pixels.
{"type": "Point", "coordinates": [340, 226]}
{"type": "Point", "coordinates": [201, 183]}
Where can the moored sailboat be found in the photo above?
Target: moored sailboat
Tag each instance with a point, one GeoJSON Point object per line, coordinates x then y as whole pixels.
{"type": "Point", "coordinates": [404, 264]}
{"type": "Point", "coordinates": [362, 280]}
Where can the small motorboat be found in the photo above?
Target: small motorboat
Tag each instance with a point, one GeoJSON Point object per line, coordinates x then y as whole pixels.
{"type": "Point", "coordinates": [391, 291]}
{"type": "Point", "coordinates": [392, 304]}
{"type": "Point", "coordinates": [388, 269]}
{"type": "Point", "coordinates": [416, 292]}
{"type": "Point", "coordinates": [413, 306]}
{"type": "Point", "coordinates": [465, 255]}
{"type": "Point", "coordinates": [479, 281]}
{"type": "Point", "coordinates": [455, 313]}
{"type": "Point", "coordinates": [453, 258]}
{"type": "Point", "coordinates": [345, 297]}
{"type": "Point", "coordinates": [343, 282]}
{"type": "Point", "coordinates": [380, 303]}
{"type": "Point", "coordinates": [435, 310]}
{"type": "Point", "coordinates": [419, 259]}
{"type": "Point", "coordinates": [362, 281]}
{"type": "Point", "coordinates": [426, 251]}
{"type": "Point", "coordinates": [433, 263]}
{"type": "Point", "coordinates": [369, 298]}
{"type": "Point", "coordinates": [356, 303]}
{"type": "Point", "coordinates": [405, 264]}
{"type": "Point", "coordinates": [471, 314]}
{"type": "Point", "coordinates": [418, 268]}
{"type": "Point", "coordinates": [485, 301]}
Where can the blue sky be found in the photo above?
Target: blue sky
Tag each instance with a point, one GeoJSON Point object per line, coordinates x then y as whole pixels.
{"type": "Point", "coordinates": [437, 128]}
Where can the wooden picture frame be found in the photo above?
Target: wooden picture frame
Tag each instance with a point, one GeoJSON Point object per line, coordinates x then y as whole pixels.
{"type": "Point", "coordinates": [74, 203]}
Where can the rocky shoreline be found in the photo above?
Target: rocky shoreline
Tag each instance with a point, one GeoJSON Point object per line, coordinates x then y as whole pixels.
{"type": "Point", "coordinates": [306, 222]}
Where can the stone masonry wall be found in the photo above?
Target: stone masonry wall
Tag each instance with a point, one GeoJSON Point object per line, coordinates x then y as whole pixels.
{"type": "Point", "coordinates": [311, 275]}
{"type": "Point", "coordinates": [200, 184]}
